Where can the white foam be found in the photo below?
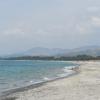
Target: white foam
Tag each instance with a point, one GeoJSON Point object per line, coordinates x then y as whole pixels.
{"type": "Point", "coordinates": [63, 75]}
{"type": "Point", "coordinates": [31, 81]}
{"type": "Point", "coordinates": [68, 70]}
{"type": "Point", "coordinates": [46, 78]}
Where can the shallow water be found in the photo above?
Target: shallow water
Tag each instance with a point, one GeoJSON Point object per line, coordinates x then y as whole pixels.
{"type": "Point", "coordinates": [14, 73]}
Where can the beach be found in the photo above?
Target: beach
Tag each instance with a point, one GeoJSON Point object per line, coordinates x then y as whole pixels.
{"type": "Point", "coordinates": [82, 86]}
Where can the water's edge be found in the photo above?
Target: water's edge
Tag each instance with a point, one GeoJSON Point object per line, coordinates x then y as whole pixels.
{"type": "Point", "coordinates": [75, 71]}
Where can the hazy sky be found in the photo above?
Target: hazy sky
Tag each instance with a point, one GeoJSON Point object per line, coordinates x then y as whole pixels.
{"type": "Point", "coordinates": [48, 23]}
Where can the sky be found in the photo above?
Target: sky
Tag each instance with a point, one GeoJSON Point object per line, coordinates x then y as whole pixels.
{"type": "Point", "coordinates": [25, 24]}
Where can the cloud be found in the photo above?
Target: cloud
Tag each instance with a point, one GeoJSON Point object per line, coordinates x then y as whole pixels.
{"type": "Point", "coordinates": [14, 31]}
{"type": "Point", "coordinates": [55, 23]}
{"type": "Point", "coordinates": [93, 9]}
{"type": "Point", "coordinates": [89, 26]}
{"type": "Point", "coordinates": [81, 29]}
{"type": "Point", "coordinates": [95, 21]}
{"type": "Point", "coordinates": [19, 28]}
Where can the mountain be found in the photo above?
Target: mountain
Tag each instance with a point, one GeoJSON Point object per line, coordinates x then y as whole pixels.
{"type": "Point", "coordinates": [40, 51]}
{"type": "Point", "coordinates": [86, 50]}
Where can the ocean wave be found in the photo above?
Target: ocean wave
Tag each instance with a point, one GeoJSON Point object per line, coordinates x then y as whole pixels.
{"type": "Point", "coordinates": [35, 82]}
{"type": "Point", "coordinates": [46, 79]}
{"type": "Point", "coordinates": [31, 81]}
{"type": "Point", "coordinates": [63, 75]}
{"type": "Point", "coordinates": [68, 69]}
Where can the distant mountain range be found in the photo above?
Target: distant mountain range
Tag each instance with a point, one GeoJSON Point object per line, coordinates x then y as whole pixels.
{"type": "Point", "coordinates": [40, 51]}
{"type": "Point", "coordinates": [87, 50]}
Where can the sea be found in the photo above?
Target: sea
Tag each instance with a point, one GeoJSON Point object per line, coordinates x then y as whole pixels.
{"type": "Point", "coordinates": [20, 73]}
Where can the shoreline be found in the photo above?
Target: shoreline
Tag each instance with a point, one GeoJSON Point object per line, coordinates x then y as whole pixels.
{"type": "Point", "coordinates": [83, 86]}
{"type": "Point", "coordinates": [5, 94]}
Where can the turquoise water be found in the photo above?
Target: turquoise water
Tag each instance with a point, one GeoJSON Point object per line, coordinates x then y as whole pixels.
{"type": "Point", "coordinates": [14, 74]}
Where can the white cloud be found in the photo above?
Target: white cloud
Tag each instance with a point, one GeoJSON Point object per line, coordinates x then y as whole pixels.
{"type": "Point", "coordinates": [82, 30]}
{"type": "Point", "coordinates": [95, 21]}
{"type": "Point", "coordinates": [93, 9]}
{"type": "Point", "coordinates": [17, 29]}
{"type": "Point", "coordinates": [14, 31]}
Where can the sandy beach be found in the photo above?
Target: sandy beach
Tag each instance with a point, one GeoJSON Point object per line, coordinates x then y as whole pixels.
{"type": "Point", "coordinates": [82, 86]}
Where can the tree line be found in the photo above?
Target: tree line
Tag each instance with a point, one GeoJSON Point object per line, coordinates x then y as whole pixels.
{"type": "Point", "coordinates": [62, 58]}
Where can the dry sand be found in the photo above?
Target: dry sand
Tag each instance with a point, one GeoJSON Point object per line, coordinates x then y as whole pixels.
{"type": "Point", "coordinates": [83, 86]}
